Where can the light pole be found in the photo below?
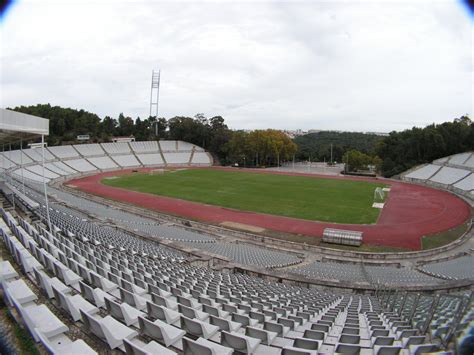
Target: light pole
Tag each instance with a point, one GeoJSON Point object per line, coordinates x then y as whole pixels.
{"type": "Point", "coordinates": [156, 127]}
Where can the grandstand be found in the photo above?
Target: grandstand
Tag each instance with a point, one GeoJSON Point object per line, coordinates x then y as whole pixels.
{"type": "Point", "coordinates": [85, 277]}
{"type": "Point", "coordinates": [454, 173]}
{"type": "Point", "coordinates": [73, 160]}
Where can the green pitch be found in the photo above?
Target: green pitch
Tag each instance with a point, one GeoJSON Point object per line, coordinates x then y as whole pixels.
{"type": "Point", "coordinates": [319, 199]}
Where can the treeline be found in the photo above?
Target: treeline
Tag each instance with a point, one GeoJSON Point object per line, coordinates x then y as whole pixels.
{"type": "Point", "coordinates": [317, 146]}
{"type": "Point", "coordinates": [392, 154]}
{"type": "Point", "coordinates": [402, 150]}
{"type": "Point", "coordinates": [261, 147]}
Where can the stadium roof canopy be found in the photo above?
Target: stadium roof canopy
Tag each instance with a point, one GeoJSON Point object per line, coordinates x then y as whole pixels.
{"type": "Point", "coordinates": [16, 125]}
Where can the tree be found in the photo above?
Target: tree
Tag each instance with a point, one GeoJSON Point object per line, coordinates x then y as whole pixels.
{"type": "Point", "coordinates": [356, 160]}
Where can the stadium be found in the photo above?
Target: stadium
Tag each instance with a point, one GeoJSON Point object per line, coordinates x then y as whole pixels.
{"type": "Point", "coordinates": [150, 247]}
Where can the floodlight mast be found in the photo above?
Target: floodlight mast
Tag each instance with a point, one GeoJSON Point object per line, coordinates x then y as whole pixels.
{"type": "Point", "coordinates": [154, 92]}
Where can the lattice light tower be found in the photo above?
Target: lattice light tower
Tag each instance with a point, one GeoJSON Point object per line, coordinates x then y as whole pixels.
{"type": "Point", "coordinates": [154, 93]}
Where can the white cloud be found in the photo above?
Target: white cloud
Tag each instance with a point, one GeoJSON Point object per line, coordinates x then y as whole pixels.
{"type": "Point", "coordinates": [325, 65]}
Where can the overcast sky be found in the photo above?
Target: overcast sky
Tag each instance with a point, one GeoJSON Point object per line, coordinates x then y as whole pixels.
{"type": "Point", "coordinates": [353, 65]}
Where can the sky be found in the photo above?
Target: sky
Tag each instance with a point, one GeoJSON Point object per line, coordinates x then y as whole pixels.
{"type": "Point", "coordinates": [333, 65]}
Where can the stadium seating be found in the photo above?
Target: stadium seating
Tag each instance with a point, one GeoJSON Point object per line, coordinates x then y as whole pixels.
{"type": "Point", "coordinates": [64, 151]}
{"type": "Point", "coordinates": [126, 161]}
{"type": "Point", "coordinates": [201, 158]}
{"type": "Point", "coordinates": [249, 255]}
{"type": "Point", "coordinates": [317, 321]}
{"type": "Point", "coordinates": [177, 158]}
{"type": "Point", "coordinates": [455, 173]}
{"type": "Point", "coordinates": [139, 296]}
{"type": "Point", "coordinates": [63, 161]}
{"type": "Point", "coordinates": [89, 150]}
{"type": "Point", "coordinates": [145, 147]}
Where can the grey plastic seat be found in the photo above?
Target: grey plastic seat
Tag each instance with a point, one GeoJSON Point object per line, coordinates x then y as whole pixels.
{"type": "Point", "coordinates": [46, 283]}
{"type": "Point", "coordinates": [239, 342]}
{"type": "Point", "coordinates": [133, 299]}
{"type": "Point", "coordinates": [383, 340]}
{"type": "Point", "coordinates": [347, 349]}
{"type": "Point", "coordinates": [413, 340]}
{"type": "Point", "coordinates": [123, 312]}
{"type": "Point", "coordinates": [214, 311]}
{"type": "Point", "coordinates": [290, 350]}
{"type": "Point", "coordinates": [74, 304]}
{"type": "Point", "coordinates": [387, 350]}
{"type": "Point", "coordinates": [348, 330]}
{"type": "Point", "coordinates": [39, 317]}
{"type": "Point", "coordinates": [160, 331]}
{"type": "Point", "coordinates": [66, 275]}
{"type": "Point", "coordinates": [94, 295]}
{"type": "Point", "coordinates": [265, 336]}
{"type": "Point", "coordinates": [192, 313]}
{"type": "Point", "coordinates": [198, 328]}
{"type": "Point", "coordinates": [19, 290]}
{"type": "Point", "coordinates": [224, 324]}
{"type": "Point", "coordinates": [204, 347]}
{"type": "Point", "coordinates": [349, 339]}
{"type": "Point", "coordinates": [320, 327]}
{"type": "Point", "coordinates": [280, 329]}
{"type": "Point", "coordinates": [134, 347]}
{"type": "Point", "coordinates": [162, 313]}
{"type": "Point", "coordinates": [63, 345]}
{"type": "Point", "coordinates": [304, 343]}
{"type": "Point", "coordinates": [7, 272]}
{"type": "Point", "coordinates": [314, 334]}
{"type": "Point", "coordinates": [244, 320]}
{"type": "Point", "coordinates": [423, 348]}
{"type": "Point", "coordinates": [108, 329]}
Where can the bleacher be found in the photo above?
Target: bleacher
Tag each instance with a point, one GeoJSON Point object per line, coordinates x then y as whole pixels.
{"type": "Point", "coordinates": [455, 173]}
{"type": "Point", "coordinates": [103, 279]}
{"type": "Point", "coordinates": [129, 300]}
{"type": "Point", "coordinates": [62, 161]}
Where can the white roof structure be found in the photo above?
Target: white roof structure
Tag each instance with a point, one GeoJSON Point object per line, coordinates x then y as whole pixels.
{"type": "Point", "coordinates": [15, 125]}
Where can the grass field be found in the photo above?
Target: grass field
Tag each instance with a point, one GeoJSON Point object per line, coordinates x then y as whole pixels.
{"type": "Point", "coordinates": [319, 199]}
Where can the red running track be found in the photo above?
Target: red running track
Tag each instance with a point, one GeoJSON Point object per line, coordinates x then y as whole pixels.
{"type": "Point", "coordinates": [411, 211]}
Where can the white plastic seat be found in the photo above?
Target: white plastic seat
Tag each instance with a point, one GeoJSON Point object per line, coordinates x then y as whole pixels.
{"type": "Point", "coordinates": [239, 342]}
{"type": "Point", "coordinates": [192, 313]}
{"type": "Point", "coordinates": [133, 299]}
{"type": "Point", "coordinates": [224, 324]}
{"type": "Point", "coordinates": [7, 272]}
{"type": "Point", "coordinates": [108, 329]}
{"type": "Point", "coordinates": [66, 275]}
{"type": "Point", "coordinates": [387, 349]}
{"type": "Point", "coordinates": [63, 345]}
{"type": "Point", "coordinates": [123, 312]}
{"type": "Point", "coordinates": [74, 304]}
{"type": "Point", "coordinates": [198, 328]}
{"type": "Point", "coordinates": [204, 347]}
{"type": "Point", "coordinates": [94, 295]}
{"type": "Point", "coordinates": [102, 283]}
{"type": "Point", "coordinates": [136, 347]}
{"type": "Point", "coordinates": [418, 349]}
{"type": "Point", "coordinates": [160, 331]}
{"type": "Point", "coordinates": [165, 302]}
{"type": "Point", "coordinates": [308, 344]}
{"type": "Point", "coordinates": [347, 348]}
{"type": "Point", "coordinates": [280, 329]}
{"type": "Point", "coordinates": [162, 313]}
{"type": "Point", "coordinates": [265, 336]}
{"type": "Point", "coordinates": [20, 291]}
{"type": "Point", "coordinates": [39, 317]}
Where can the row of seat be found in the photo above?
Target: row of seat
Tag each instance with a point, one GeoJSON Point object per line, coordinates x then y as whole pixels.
{"type": "Point", "coordinates": [62, 161]}
{"type": "Point", "coordinates": [249, 318]}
